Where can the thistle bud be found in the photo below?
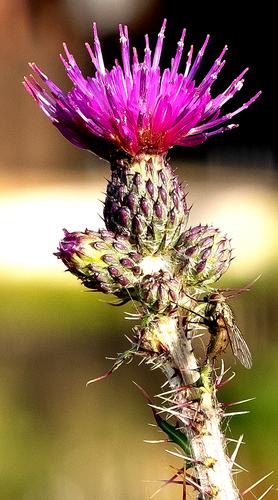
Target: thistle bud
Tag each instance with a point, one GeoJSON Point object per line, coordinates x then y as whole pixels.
{"type": "Point", "coordinates": [102, 262]}
{"type": "Point", "coordinates": [146, 203]}
{"type": "Point", "coordinates": [160, 292]}
{"type": "Point", "coordinates": [204, 254]}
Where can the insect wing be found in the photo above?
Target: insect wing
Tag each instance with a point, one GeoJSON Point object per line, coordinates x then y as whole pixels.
{"type": "Point", "coordinates": [239, 347]}
{"type": "Point", "coordinates": [233, 292]}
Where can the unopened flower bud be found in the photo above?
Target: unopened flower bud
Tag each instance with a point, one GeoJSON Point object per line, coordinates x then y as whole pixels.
{"type": "Point", "coordinates": [102, 262]}
{"type": "Point", "coordinates": [160, 292]}
{"type": "Point", "coordinates": [204, 254]}
{"type": "Point", "coordinates": [146, 203]}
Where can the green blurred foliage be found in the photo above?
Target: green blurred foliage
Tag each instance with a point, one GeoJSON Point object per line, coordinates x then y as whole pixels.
{"type": "Point", "coordinates": [61, 441]}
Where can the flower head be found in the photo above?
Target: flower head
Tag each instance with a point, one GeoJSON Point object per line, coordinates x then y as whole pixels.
{"type": "Point", "coordinates": [135, 107]}
{"type": "Point", "coordinates": [204, 254]}
{"type": "Point", "coordinates": [102, 262]}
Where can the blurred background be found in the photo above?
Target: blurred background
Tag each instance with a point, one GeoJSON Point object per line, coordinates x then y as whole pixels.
{"type": "Point", "coordinates": [59, 440]}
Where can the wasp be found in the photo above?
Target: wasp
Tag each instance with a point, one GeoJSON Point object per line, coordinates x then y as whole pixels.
{"type": "Point", "coordinates": [220, 322]}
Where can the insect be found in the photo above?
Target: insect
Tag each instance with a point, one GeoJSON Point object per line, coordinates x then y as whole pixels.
{"type": "Point", "coordinates": [220, 321]}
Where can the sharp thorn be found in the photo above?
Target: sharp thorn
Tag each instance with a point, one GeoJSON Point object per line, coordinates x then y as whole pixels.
{"type": "Point", "coordinates": [231, 440]}
{"type": "Point", "coordinates": [235, 472]}
{"type": "Point", "coordinates": [235, 452]}
{"type": "Point", "coordinates": [178, 389]}
{"type": "Point", "coordinates": [256, 483]}
{"type": "Point", "coordinates": [153, 441]}
{"type": "Point", "coordinates": [234, 403]}
{"type": "Point", "coordinates": [234, 413]}
{"type": "Point", "coordinates": [221, 384]}
{"type": "Point", "coordinates": [240, 467]}
{"type": "Point", "coordinates": [266, 492]}
{"type": "Point", "coordinates": [169, 481]}
{"type": "Point", "coordinates": [183, 457]}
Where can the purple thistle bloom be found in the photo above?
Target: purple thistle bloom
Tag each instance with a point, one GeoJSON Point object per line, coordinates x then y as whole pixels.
{"type": "Point", "coordinates": [135, 107]}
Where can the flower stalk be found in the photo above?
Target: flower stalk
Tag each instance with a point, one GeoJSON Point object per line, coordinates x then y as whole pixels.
{"type": "Point", "coordinates": [199, 415]}
{"type": "Point", "coordinates": [132, 115]}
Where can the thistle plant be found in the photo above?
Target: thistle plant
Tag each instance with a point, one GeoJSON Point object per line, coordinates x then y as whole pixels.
{"type": "Point", "coordinates": [131, 116]}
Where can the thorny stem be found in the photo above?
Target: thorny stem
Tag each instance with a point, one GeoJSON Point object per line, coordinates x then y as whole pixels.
{"type": "Point", "coordinates": [147, 254]}
{"type": "Point", "coordinates": [201, 420]}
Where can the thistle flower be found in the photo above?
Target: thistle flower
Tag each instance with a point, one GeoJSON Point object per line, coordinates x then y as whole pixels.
{"type": "Point", "coordinates": [134, 107]}
{"type": "Point", "coordinates": [131, 115]}
{"type": "Point", "coordinates": [204, 254]}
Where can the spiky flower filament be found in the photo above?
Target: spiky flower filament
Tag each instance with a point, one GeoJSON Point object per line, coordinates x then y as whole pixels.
{"type": "Point", "coordinates": [135, 108]}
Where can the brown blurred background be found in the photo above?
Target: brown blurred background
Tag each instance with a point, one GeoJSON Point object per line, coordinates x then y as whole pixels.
{"type": "Point", "coordinates": [60, 441]}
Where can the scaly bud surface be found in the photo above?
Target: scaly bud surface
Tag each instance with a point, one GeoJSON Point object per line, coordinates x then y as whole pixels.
{"type": "Point", "coordinates": [102, 261]}
{"type": "Point", "coordinates": [204, 254]}
{"type": "Point", "coordinates": [160, 292]}
{"type": "Point", "coordinates": [146, 203]}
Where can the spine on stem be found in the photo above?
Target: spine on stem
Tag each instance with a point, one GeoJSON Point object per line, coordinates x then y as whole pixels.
{"type": "Point", "coordinates": [198, 413]}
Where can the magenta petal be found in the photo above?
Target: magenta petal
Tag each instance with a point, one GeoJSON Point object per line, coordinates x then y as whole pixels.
{"type": "Point", "coordinates": [135, 107]}
{"type": "Point", "coordinates": [193, 141]}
